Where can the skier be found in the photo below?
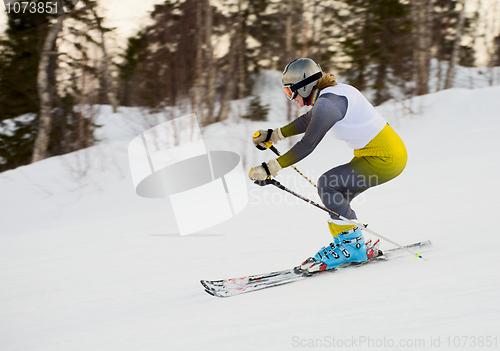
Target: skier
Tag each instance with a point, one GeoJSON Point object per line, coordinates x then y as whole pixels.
{"type": "Point", "coordinates": [339, 109]}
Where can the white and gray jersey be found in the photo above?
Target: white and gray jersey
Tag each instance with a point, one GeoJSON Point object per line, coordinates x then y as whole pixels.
{"type": "Point", "coordinates": [341, 110]}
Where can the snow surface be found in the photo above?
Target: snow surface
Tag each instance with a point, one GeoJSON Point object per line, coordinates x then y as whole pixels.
{"type": "Point", "coordinates": [86, 264]}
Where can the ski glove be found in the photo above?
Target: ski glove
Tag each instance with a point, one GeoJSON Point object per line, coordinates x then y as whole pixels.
{"type": "Point", "coordinates": [264, 171]}
{"type": "Point", "coordinates": [261, 137]}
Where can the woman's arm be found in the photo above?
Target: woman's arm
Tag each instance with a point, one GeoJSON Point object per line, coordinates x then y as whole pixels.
{"type": "Point", "coordinates": [319, 119]}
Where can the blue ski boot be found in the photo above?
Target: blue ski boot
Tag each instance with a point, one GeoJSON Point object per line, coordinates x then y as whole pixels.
{"type": "Point", "coordinates": [348, 247]}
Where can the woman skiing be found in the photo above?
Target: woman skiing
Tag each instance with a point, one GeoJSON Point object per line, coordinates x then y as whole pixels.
{"type": "Point", "coordinates": [339, 109]}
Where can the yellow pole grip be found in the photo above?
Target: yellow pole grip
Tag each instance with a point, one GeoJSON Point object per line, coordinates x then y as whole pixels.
{"type": "Point", "coordinates": [268, 144]}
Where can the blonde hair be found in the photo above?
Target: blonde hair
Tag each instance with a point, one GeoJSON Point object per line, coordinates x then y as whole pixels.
{"type": "Point", "coordinates": [328, 80]}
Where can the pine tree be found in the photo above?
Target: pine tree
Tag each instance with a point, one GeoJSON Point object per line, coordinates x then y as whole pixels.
{"type": "Point", "coordinates": [256, 111]}
{"type": "Point", "coordinates": [496, 58]}
{"type": "Point", "coordinates": [127, 69]}
{"type": "Point", "coordinates": [446, 33]}
{"type": "Point", "coordinates": [376, 38]}
{"type": "Point", "coordinates": [172, 63]}
{"type": "Point", "coordinates": [19, 54]}
{"type": "Point", "coordinates": [159, 61]}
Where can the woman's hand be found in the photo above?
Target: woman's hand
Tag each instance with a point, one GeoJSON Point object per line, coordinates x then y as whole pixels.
{"type": "Point", "coordinates": [264, 171]}
{"type": "Point", "coordinates": [261, 137]}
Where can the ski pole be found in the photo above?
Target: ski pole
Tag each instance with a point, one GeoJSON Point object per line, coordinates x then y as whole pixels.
{"type": "Point", "coordinates": [273, 149]}
{"type": "Point", "coordinates": [362, 226]}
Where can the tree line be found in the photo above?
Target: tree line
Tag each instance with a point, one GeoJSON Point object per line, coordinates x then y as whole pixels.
{"type": "Point", "coordinates": [199, 57]}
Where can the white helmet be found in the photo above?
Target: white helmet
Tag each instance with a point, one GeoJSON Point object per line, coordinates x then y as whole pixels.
{"type": "Point", "coordinates": [300, 77]}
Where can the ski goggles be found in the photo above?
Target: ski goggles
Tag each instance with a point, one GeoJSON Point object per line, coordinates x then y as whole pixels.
{"type": "Point", "coordinates": [291, 90]}
{"type": "Point", "coordinates": [289, 93]}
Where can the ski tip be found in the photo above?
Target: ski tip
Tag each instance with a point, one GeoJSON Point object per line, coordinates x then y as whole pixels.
{"type": "Point", "coordinates": [205, 285]}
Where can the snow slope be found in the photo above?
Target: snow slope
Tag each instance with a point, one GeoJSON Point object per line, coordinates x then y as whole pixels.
{"type": "Point", "coordinates": [85, 264]}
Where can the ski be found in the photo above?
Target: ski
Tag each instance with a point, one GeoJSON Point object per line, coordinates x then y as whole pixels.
{"type": "Point", "coordinates": [236, 286]}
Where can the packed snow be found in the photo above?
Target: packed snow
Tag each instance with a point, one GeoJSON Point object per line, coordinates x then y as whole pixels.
{"type": "Point", "coordinates": [86, 264]}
